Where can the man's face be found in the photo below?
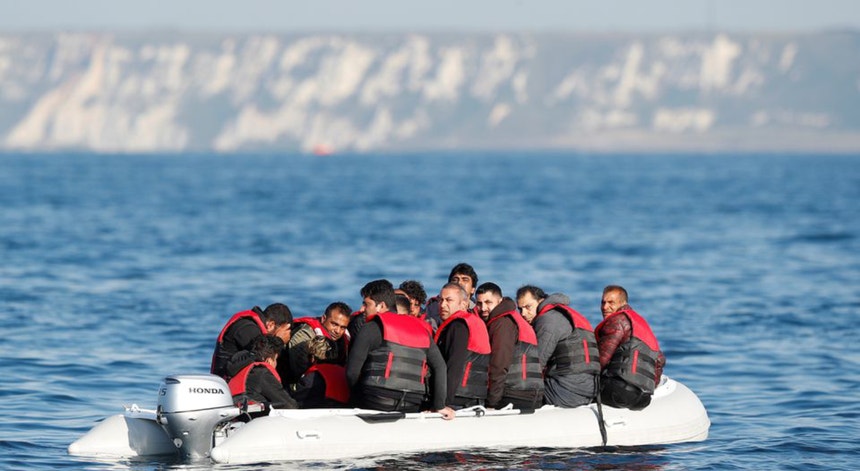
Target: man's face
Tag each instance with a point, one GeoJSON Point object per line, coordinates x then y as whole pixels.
{"type": "Point", "coordinates": [451, 301]}
{"type": "Point", "coordinates": [284, 331]}
{"type": "Point", "coordinates": [463, 280]}
{"type": "Point", "coordinates": [528, 306]}
{"type": "Point", "coordinates": [335, 323]}
{"type": "Point", "coordinates": [371, 308]}
{"type": "Point", "coordinates": [612, 302]}
{"type": "Point", "coordinates": [486, 302]}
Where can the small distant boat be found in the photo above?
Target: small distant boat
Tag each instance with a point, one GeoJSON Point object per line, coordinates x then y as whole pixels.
{"type": "Point", "coordinates": [196, 418]}
{"type": "Point", "coordinates": [321, 150]}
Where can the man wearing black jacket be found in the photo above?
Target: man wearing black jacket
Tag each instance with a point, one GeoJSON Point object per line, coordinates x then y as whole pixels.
{"type": "Point", "coordinates": [254, 376]}
{"type": "Point", "coordinates": [243, 330]}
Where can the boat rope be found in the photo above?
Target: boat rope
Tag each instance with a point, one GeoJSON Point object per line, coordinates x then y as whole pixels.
{"type": "Point", "coordinates": [600, 421]}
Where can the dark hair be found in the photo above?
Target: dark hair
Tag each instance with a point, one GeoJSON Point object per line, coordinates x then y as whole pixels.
{"type": "Point", "coordinates": [338, 306]}
{"type": "Point", "coordinates": [616, 288]}
{"type": "Point", "coordinates": [278, 313]}
{"type": "Point", "coordinates": [380, 291]}
{"type": "Point", "coordinates": [415, 290]}
{"type": "Point", "coordinates": [533, 290]}
{"type": "Point", "coordinates": [267, 346]}
{"type": "Point", "coordinates": [489, 288]}
{"type": "Point", "coordinates": [401, 300]}
{"type": "Point", "coordinates": [464, 269]}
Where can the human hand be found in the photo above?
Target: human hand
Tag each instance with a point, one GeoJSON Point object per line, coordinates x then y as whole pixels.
{"type": "Point", "coordinates": [447, 413]}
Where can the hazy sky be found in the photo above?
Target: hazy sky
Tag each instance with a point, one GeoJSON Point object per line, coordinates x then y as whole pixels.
{"type": "Point", "coordinates": [438, 15]}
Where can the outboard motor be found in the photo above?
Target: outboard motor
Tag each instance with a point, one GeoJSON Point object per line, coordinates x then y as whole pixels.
{"type": "Point", "coordinates": [189, 409]}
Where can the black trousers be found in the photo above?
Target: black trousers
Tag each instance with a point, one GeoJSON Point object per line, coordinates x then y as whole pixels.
{"type": "Point", "coordinates": [618, 393]}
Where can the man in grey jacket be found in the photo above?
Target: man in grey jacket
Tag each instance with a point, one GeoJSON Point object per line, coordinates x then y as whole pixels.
{"type": "Point", "coordinates": [571, 366]}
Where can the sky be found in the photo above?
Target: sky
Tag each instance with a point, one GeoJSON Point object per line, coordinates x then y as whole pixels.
{"type": "Point", "coordinates": [430, 16]}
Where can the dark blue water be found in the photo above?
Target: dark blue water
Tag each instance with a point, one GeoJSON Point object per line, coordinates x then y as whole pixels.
{"type": "Point", "coordinates": [118, 270]}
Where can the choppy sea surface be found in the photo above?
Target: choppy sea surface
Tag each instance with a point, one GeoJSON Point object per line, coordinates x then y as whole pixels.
{"type": "Point", "coordinates": [116, 270]}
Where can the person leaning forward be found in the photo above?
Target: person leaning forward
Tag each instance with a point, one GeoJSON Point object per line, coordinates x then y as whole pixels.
{"type": "Point", "coordinates": [244, 328]}
{"type": "Point", "coordinates": [388, 359]}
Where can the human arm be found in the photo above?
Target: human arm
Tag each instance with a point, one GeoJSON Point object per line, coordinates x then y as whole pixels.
{"type": "Point", "coordinates": [503, 338]}
{"type": "Point", "coordinates": [299, 360]}
{"type": "Point", "coordinates": [550, 328]}
{"type": "Point", "coordinates": [439, 384]}
{"type": "Point", "coordinates": [453, 347]}
{"type": "Point", "coordinates": [271, 389]}
{"type": "Point", "coordinates": [245, 333]}
{"type": "Point", "coordinates": [611, 334]}
{"type": "Point", "coordinates": [369, 338]}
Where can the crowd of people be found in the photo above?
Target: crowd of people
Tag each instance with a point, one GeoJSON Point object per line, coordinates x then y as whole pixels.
{"type": "Point", "coordinates": [469, 345]}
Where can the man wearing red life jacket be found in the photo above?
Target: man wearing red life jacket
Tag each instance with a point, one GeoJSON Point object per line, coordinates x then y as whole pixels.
{"type": "Point", "coordinates": [254, 376]}
{"type": "Point", "coordinates": [566, 346]}
{"type": "Point", "coordinates": [332, 325]}
{"type": "Point", "coordinates": [464, 275]}
{"type": "Point", "coordinates": [388, 362]}
{"type": "Point", "coordinates": [630, 356]}
{"type": "Point", "coordinates": [244, 328]}
{"type": "Point", "coordinates": [515, 373]}
{"type": "Point", "coordinates": [463, 340]}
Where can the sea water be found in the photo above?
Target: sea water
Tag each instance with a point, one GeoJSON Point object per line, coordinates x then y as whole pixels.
{"type": "Point", "coordinates": [116, 270]}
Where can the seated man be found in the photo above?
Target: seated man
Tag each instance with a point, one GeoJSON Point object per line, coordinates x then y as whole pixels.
{"type": "Point", "coordinates": [462, 274]}
{"type": "Point", "coordinates": [630, 356]}
{"type": "Point", "coordinates": [414, 291]}
{"type": "Point", "coordinates": [566, 346]}
{"type": "Point", "coordinates": [332, 325]}
{"type": "Point", "coordinates": [244, 328]}
{"type": "Point", "coordinates": [369, 291]}
{"type": "Point", "coordinates": [387, 364]}
{"type": "Point", "coordinates": [462, 338]}
{"type": "Point", "coordinates": [515, 373]}
{"type": "Point", "coordinates": [254, 375]}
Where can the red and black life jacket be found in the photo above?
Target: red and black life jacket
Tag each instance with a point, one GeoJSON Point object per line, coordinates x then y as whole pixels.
{"type": "Point", "coordinates": [635, 360]}
{"type": "Point", "coordinates": [334, 376]}
{"type": "Point", "coordinates": [400, 363]}
{"type": "Point", "coordinates": [475, 371]}
{"type": "Point", "coordinates": [577, 353]}
{"type": "Point", "coordinates": [525, 372]}
{"type": "Point", "coordinates": [219, 344]}
{"type": "Point", "coordinates": [239, 383]}
{"type": "Point", "coordinates": [316, 325]}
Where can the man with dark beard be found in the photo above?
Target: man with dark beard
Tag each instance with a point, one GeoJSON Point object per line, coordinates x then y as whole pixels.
{"type": "Point", "coordinates": [514, 371]}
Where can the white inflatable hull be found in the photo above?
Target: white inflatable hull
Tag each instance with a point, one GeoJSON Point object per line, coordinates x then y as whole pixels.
{"type": "Point", "coordinates": [675, 415]}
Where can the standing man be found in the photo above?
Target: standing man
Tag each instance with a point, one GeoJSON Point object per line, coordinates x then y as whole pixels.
{"type": "Point", "coordinates": [566, 346]}
{"type": "Point", "coordinates": [465, 345]}
{"type": "Point", "coordinates": [388, 360]}
{"type": "Point", "coordinates": [332, 325]}
{"type": "Point", "coordinates": [630, 356]}
{"type": "Point", "coordinates": [514, 373]}
{"type": "Point", "coordinates": [243, 330]}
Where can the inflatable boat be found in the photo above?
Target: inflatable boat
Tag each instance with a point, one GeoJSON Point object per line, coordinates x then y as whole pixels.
{"type": "Point", "coordinates": [196, 418]}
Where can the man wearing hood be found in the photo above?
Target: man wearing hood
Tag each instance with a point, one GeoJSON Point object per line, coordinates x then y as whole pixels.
{"type": "Point", "coordinates": [566, 346]}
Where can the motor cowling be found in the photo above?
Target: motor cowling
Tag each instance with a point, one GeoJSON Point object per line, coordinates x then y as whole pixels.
{"type": "Point", "coordinates": [189, 409]}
